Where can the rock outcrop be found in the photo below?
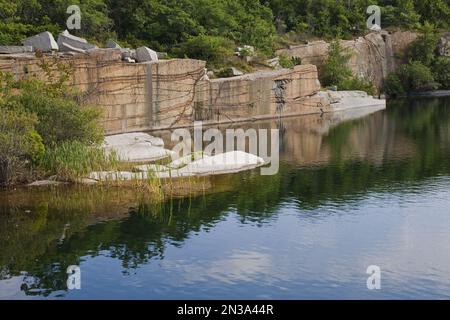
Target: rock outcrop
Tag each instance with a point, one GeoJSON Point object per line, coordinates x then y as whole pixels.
{"type": "Point", "coordinates": [168, 94]}
{"type": "Point", "coordinates": [373, 57]}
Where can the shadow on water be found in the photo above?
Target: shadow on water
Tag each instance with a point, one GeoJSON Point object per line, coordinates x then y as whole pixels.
{"type": "Point", "coordinates": [324, 159]}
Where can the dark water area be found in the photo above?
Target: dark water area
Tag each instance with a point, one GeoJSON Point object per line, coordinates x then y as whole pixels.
{"type": "Point", "coordinates": [352, 191]}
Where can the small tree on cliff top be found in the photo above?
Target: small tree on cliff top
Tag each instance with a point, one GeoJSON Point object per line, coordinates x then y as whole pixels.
{"type": "Point", "coordinates": [335, 70]}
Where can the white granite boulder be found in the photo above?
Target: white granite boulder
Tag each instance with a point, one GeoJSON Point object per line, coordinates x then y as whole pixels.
{"type": "Point", "coordinates": [224, 163]}
{"type": "Point", "coordinates": [43, 41]}
{"type": "Point", "coordinates": [136, 147]}
{"type": "Point", "coordinates": [69, 42]}
{"type": "Point", "coordinates": [144, 54]}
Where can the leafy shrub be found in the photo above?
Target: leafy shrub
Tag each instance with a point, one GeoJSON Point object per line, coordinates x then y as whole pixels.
{"type": "Point", "coordinates": [416, 76]}
{"type": "Point", "coordinates": [43, 127]}
{"type": "Point", "coordinates": [354, 83]}
{"type": "Point", "coordinates": [393, 85]}
{"type": "Point", "coordinates": [60, 118]}
{"type": "Point", "coordinates": [424, 47]}
{"type": "Point", "coordinates": [20, 144]}
{"type": "Point", "coordinates": [335, 70]}
{"type": "Point", "coordinates": [212, 49]}
{"type": "Point", "coordinates": [441, 71]}
{"type": "Point", "coordinates": [287, 62]}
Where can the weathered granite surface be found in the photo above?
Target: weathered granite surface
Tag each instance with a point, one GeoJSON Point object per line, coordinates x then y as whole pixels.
{"type": "Point", "coordinates": [174, 93]}
{"type": "Point", "coordinates": [373, 57]}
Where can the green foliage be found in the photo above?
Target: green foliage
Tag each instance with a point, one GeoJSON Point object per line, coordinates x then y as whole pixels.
{"type": "Point", "coordinates": [416, 76]}
{"type": "Point", "coordinates": [335, 70]}
{"type": "Point", "coordinates": [168, 25]}
{"type": "Point", "coordinates": [40, 120]}
{"type": "Point", "coordinates": [423, 48]}
{"type": "Point", "coordinates": [19, 144]}
{"type": "Point", "coordinates": [212, 49]}
{"type": "Point", "coordinates": [403, 14]}
{"type": "Point", "coordinates": [441, 71]}
{"type": "Point", "coordinates": [393, 85]}
{"type": "Point", "coordinates": [425, 70]}
{"type": "Point", "coordinates": [60, 117]}
{"type": "Point", "coordinates": [287, 62]}
{"type": "Point", "coordinates": [355, 83]}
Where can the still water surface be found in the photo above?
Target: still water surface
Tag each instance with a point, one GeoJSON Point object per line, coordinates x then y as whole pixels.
{"type": "Point", "coordinates": [350, 193]}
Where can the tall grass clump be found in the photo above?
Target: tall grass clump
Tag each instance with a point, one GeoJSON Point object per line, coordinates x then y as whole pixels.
{"type": "Point", "coordinates": [72, 160]}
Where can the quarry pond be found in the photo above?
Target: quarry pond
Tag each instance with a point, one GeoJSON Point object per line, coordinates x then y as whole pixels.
{"type": "Point", "coordinates": [351, 192]}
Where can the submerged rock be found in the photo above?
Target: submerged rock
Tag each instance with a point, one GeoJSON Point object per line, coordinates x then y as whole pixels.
{"type": "Point", "coordinates": [43, 41]}
{"type": "Point", "coordinates": [43, 183]}
{"type": "Point", "coordinates": [117, 176]}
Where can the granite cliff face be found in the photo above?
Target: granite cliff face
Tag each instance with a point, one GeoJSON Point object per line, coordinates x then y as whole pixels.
{"type": "Point", "coordinates": [374, 56]}
{"type": "Point", "coordinates": [175, 93]}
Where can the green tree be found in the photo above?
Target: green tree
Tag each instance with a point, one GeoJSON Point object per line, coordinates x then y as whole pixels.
{"type": "Point", "coordinates": [441, 71]}
{"type": "Point", "coordinates": [416, 76]}
{"type": "Point", "coordinates": [424, 47]}
{"type": "Point", "coordinates": [335, 70]}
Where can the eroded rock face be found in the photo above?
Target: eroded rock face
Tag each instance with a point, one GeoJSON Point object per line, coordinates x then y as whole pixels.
{"type": "Point", "coordinates": [43, 41]}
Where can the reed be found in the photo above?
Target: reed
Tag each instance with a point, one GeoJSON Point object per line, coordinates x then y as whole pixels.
{"type": "Point", "coordinates": [72, 160]}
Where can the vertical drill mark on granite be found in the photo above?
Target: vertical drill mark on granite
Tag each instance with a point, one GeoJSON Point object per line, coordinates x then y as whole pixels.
{"type": "Point", "coordinates": [149, 93]}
